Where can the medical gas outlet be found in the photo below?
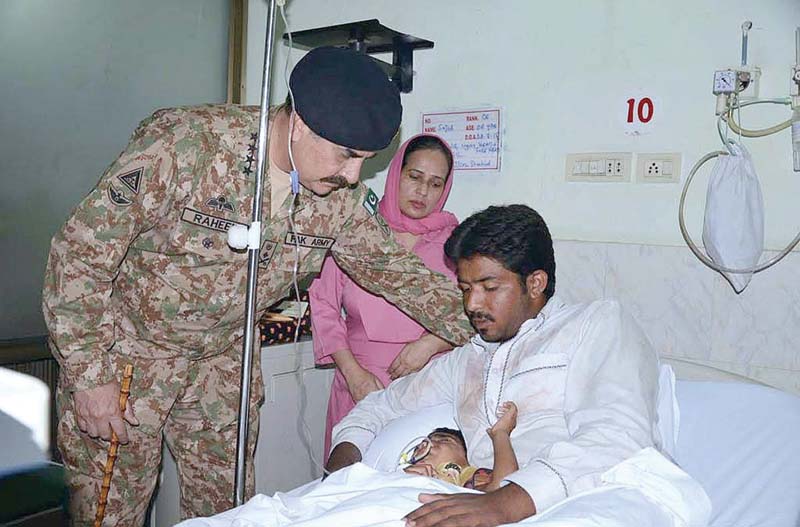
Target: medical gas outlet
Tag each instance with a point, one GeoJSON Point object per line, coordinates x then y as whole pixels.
{"type": "Point", "coordinates": [734, 81]}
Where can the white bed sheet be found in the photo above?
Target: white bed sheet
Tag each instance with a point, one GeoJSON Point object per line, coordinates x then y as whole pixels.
{"type": "Point", "coordinates": [742, 443]}
{"type": "Point", "coordinates": [644, 490]}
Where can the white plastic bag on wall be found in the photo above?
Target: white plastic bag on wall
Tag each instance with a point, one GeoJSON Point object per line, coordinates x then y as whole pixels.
{"type": "Point", "coordinates": [733, 229]}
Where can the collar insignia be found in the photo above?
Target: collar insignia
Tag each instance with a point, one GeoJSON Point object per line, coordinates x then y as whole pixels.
{"type": "Point", "coordinates": [250, 157]}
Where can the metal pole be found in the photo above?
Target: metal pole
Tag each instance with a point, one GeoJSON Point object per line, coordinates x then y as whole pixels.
{"type": "Point", "coordinates": [746, 26]}
{"type": "Point", "coordinates": [252, 266]}
{"type": "Point", "coordinates": [797, 46]}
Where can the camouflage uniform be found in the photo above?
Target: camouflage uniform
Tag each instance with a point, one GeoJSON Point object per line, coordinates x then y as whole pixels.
{"type": "Point", "coordinates": [141, 272]}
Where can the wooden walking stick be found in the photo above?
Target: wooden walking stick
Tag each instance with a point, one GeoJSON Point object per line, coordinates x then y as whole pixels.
{"type": "Point", "coordinates": [124, 391]}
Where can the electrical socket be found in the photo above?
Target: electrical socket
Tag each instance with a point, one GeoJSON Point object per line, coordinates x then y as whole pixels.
{"type": "Point", "coordinates": [604, 167]}
{"type": "Point", "coordinates": [615, 167]}
{"type": "Point", "coordinates": [658, 168]}
{"type": "Point", "coordinates": [620, 166]}
{"type": "Point", "coordinates": [654, 169]}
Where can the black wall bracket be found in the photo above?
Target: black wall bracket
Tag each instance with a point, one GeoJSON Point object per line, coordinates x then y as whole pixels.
{"type": "Point", "coordinates": [369, 36]}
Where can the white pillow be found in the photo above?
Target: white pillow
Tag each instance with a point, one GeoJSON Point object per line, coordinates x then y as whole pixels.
{"type": "Point", "coordinates": [402, 433]}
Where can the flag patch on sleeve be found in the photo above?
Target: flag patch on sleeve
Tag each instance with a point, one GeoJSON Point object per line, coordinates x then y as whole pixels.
{"type": "Point", "coordinates": [371, 202]}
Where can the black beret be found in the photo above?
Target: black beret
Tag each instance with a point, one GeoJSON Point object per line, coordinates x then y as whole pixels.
{"type": "Point", "coordinates": [345, 97]}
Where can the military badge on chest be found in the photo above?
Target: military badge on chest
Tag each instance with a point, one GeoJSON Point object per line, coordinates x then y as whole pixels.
{"type": "Point", "coordinates": [211, 221]}
{"type": "Point", "coordinates": [221, 204]}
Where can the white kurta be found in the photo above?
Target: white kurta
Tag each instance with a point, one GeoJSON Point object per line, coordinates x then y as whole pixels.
{"type": "Point", "coordinates": [585, 380]}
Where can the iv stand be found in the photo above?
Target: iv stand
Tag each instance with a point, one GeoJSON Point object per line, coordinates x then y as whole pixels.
{"type": "Point", "coordinates": [253, 248]}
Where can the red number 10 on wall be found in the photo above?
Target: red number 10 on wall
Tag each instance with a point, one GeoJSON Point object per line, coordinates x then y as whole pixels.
{"type": "Point", "coordinates": [640, 111]}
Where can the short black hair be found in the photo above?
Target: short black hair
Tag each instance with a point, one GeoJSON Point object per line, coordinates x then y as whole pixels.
{"type": "Point", "coordinates": [429, 142]}
{"type": "Point", "coordinates": [454, 433]}
{"type": "Point", "coordinates": [514, 235]}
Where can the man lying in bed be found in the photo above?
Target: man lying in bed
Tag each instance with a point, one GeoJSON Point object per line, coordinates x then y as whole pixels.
{"type": "Point", "coordinates": [584, 378]}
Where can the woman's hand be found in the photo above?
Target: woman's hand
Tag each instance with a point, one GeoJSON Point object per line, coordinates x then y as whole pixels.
{"type": "Point", "coordinates": [416, 354]}
{"type": "Point", "coordinates": [361, 382]}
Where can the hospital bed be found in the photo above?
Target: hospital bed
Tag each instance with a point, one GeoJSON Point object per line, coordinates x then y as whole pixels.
{"type": "Point", "coordinates": [739, 438]}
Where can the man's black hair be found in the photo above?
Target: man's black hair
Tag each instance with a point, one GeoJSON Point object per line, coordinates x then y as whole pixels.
{"type": "Point", "coordinates": [516, 236]}
{"type": "Point", "coordinates": [454, 433]}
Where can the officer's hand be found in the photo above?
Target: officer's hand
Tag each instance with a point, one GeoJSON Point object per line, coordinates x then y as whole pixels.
{"type": "Point", "coordinates": [415, 355]}
{"type": "Point", "coordinates": [97, 412]}
{"type": "Point", "coordinates": [362, 382]}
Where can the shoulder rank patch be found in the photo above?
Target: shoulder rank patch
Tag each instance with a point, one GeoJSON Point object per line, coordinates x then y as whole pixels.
{"type": "Point", "coordinates": [132, 179]}
{"type": "Point", "coordinates": [307, 240]}
{"type": "Point", "coordinates": [382, 224]}
{"type": "Point", "coordinates": [267, 251]}
{"type": "Point", "coordinates": [371, 202]}
{"type": "Point", "coordinates": [117, 197]}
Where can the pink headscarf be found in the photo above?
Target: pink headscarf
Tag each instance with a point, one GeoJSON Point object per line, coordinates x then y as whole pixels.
{"type": "Point", "coordinates": [390, 209]}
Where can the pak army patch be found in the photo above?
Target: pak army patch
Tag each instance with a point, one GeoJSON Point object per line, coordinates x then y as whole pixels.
{"type": "Point", "coordinates": [371, 202]}
{"type": "Point", "coordinates": [117, 197]}
{"type": "Point", "coordinates": [309, 241]}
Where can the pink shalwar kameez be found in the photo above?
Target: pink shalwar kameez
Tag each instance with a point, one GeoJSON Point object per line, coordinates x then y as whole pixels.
{"type": "Point", "coordinates": [373, 330]}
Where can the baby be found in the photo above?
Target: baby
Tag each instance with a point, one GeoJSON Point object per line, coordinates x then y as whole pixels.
{"type": "Point", "coordinates": [443, 454]}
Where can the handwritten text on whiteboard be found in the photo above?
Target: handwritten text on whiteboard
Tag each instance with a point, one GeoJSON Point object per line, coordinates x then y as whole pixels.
{"type": "Point", "coordinates": [474, 136]}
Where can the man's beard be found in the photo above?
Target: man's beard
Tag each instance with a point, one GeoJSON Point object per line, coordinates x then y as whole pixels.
{"type": "Point", "coordinates": [476, 318]}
